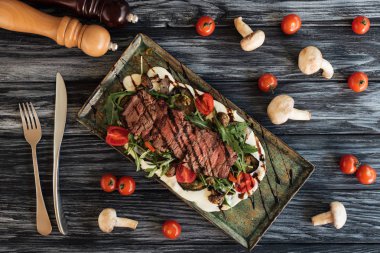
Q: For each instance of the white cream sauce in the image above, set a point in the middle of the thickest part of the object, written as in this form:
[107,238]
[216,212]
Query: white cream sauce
[200,198]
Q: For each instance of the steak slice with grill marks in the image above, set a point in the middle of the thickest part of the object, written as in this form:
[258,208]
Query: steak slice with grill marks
[202,150]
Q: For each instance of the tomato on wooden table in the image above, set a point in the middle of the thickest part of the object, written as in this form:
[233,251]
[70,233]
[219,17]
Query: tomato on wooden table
[245,183]
[361,25]
[117,136]
[126,185]
[171,229]
[184,174]
[205,103]
[349,164]
[108,182]
[267,82]
[358,81]
[205,26]
[366,174]
[291,24]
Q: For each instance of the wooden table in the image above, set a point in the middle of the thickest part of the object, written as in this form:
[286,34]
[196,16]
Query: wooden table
[343,122]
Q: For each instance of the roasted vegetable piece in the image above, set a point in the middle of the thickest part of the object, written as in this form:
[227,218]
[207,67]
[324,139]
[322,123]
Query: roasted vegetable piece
[117,136]
[216,198]
[205,104]
[252,163]
[194,186]
[183,103]
[223,118]
[184,174]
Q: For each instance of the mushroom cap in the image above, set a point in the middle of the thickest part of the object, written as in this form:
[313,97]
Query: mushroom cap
[339,214]
[280,108]
[107,220]
[253,41]
[310,60]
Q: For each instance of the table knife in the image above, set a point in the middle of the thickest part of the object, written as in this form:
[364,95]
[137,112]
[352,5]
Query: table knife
[59,129]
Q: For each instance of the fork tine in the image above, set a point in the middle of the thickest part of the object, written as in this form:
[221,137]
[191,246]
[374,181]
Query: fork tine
[38,124]
[32,123]
[24,126]
[26,116]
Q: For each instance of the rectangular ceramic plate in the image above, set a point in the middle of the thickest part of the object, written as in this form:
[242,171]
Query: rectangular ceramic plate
[287,171]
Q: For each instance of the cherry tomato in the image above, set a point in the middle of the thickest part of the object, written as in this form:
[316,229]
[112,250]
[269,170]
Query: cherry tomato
[171,229]
[205,103]
[245,183]
[149,146]
[366,174]
[291,24]
[361,25]
[117,136]
[126,185]
[205,26]
[358,81]
[108,182]
[267,82]
[184,174]
[349,164]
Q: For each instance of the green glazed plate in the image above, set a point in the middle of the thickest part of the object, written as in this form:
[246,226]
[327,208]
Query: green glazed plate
[286,172]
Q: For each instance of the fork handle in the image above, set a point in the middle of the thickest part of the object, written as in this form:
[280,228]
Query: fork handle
[42,217]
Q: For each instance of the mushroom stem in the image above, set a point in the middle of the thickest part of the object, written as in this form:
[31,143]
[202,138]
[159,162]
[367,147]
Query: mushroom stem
[322,219]
[328,70]
[242,27]
[126,223]
[299,115]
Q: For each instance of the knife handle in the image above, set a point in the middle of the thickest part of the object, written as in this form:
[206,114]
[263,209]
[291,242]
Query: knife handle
[17,16]
[113,13]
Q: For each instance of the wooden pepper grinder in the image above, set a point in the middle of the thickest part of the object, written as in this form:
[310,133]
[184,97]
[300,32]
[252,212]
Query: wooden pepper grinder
[113,13]
[94,40]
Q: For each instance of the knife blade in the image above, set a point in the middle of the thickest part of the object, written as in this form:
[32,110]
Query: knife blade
[59,129]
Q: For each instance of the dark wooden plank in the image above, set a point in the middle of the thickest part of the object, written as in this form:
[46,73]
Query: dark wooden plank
[218,57]
[335,108]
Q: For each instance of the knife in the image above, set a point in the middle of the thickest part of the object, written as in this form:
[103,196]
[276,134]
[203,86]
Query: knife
[59,129]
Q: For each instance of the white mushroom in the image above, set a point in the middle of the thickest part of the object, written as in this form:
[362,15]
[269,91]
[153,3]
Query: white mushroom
[157,73]
[108,220]
[337,215]
[310,61]
[251,40]
[131,82]
[281,108]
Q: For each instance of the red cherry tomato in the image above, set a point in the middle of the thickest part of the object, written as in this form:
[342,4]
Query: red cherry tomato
[117,136]
[291,24]
[349,164]
[366,174]
[358,82]
[205,26]
[108,182]
[205,103]
[361,25]
[126,186]
[245,183]
[267,82]
[171,229]
[184,174]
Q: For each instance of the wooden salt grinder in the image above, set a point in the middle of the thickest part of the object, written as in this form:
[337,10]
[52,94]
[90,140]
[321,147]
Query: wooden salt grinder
[93,40]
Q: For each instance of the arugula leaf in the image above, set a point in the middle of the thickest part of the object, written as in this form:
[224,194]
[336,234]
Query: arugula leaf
[248,149]
[113,108]
[197,120]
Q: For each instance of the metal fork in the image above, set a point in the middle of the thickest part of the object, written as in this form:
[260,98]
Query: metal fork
[32,132]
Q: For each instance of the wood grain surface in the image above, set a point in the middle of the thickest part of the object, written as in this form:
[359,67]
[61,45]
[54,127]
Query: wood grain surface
[342,122]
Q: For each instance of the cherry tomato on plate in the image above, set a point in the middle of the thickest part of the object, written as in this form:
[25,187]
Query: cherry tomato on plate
[126,185]
[366,174]
[108,182]
[117,136]
[184,174]
[205,103]
[349,164]
[361,25]
[358,81]
[291,24]
[267,82]
[245,183]
[171,229]
[205,26]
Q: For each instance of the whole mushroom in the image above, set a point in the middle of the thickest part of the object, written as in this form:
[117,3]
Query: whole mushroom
[281,108]
[310,61]
[337,215]
[108,220]
[251,40]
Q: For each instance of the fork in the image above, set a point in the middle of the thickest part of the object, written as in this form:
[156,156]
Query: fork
[32,132]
